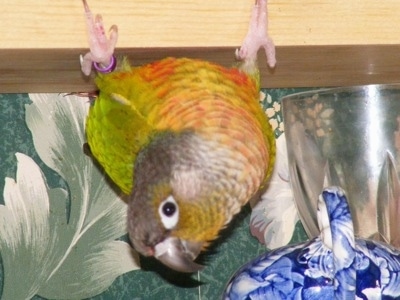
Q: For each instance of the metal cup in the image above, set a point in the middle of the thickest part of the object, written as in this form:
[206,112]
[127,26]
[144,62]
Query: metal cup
[348,137]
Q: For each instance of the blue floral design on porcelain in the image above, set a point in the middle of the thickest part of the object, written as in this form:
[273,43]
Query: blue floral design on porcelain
[334,265]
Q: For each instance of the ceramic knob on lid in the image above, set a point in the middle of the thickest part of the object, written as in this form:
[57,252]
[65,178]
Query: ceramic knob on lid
[334,265]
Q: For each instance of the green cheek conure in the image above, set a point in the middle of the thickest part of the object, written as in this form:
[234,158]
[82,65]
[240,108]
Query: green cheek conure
[186,139]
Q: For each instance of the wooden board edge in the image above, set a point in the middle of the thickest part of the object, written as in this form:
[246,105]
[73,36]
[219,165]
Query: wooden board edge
[58,70]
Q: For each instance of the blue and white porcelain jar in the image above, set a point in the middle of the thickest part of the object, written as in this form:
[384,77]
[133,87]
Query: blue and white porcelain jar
[334,265]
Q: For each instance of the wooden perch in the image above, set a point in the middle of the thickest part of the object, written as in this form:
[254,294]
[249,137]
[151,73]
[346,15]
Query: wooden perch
[319,43]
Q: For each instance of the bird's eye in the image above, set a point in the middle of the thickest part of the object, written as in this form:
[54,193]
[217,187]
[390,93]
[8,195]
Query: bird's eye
[169,209]
[169,212]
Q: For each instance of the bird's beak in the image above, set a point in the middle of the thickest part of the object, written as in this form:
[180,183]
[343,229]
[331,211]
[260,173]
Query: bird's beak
[178,254]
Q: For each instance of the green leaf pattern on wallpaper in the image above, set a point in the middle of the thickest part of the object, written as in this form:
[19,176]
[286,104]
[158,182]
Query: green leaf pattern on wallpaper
[274,217]
[60,243]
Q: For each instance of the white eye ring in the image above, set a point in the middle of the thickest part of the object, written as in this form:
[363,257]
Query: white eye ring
[169,212]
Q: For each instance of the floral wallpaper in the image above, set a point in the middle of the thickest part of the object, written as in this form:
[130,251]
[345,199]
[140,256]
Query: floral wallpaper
[63,226]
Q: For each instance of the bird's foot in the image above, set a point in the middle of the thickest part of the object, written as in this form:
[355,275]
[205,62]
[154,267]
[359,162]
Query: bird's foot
[101,54]
[257,37]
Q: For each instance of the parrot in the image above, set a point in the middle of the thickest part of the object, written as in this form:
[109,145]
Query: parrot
[185,140]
